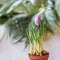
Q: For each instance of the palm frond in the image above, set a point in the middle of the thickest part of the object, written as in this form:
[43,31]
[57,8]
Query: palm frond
[18,25]
[5,7]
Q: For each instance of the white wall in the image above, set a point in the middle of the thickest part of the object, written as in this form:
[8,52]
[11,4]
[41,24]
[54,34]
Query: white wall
[10,51]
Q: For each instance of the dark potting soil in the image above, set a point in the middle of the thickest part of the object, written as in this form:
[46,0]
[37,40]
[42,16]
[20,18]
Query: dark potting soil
[42,53]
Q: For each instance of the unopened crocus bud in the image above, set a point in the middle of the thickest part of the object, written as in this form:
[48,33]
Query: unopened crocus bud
[37,21]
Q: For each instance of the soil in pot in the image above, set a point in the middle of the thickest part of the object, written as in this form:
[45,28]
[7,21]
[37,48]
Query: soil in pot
[44,56]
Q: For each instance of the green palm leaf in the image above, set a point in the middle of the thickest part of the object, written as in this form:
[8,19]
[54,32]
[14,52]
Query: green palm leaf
[18,25]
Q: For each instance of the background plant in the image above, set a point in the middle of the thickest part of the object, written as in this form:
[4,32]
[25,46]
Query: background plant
[17,15]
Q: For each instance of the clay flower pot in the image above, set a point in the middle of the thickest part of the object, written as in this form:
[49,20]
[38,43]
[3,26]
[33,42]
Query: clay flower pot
[43,57]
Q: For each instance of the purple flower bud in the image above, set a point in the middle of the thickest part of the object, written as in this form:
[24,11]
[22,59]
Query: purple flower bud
[37,20]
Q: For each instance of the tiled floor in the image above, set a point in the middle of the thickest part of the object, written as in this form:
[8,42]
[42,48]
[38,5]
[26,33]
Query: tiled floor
[9,51]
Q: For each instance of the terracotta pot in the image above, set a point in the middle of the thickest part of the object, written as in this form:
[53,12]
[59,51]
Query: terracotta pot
[43,57]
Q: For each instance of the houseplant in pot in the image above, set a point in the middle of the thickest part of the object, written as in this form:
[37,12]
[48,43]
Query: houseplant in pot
[36,36]
[41,25]
[43,21]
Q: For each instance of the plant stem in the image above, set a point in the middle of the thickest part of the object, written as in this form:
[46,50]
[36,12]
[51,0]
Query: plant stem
[31,48]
